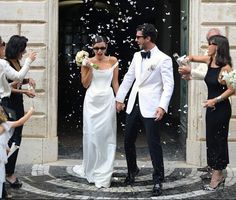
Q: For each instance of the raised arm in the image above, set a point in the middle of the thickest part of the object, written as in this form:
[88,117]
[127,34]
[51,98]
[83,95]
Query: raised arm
[86,75]
[23,119]
[201,59]
[12,74]
[197,73]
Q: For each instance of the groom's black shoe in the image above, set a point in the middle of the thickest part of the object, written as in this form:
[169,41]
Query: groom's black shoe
[157,189]
[130,178]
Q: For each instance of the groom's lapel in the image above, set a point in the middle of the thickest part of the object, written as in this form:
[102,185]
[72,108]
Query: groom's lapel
[152,64]
[146,72]
[138,68]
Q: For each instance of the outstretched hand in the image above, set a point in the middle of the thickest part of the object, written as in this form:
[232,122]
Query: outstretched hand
[184,69]
[30,93]
[32,82]
[32,55]
[31,110]
[185,72]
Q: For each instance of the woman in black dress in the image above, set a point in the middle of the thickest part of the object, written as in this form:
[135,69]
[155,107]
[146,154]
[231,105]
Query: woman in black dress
[15,49]
[218,108]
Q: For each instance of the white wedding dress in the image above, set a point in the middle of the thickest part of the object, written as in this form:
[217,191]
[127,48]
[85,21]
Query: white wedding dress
[99,130]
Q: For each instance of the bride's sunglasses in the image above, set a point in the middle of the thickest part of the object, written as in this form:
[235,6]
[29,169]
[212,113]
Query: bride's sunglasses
[97,48]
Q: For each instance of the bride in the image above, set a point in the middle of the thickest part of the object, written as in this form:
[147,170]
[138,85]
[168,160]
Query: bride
[99,115]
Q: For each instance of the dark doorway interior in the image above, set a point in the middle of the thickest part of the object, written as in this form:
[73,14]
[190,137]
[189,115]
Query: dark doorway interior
[117,20]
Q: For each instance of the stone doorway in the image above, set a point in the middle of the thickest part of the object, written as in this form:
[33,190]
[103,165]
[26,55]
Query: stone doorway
[117,20]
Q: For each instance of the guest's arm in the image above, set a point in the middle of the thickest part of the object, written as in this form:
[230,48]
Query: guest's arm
[227,93]
[12,74]
[23,119]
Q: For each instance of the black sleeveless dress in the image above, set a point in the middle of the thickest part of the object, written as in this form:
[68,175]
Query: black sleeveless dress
[217,122]
[16,103]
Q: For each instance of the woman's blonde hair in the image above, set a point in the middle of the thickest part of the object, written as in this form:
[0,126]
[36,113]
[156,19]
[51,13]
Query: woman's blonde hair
[3,117]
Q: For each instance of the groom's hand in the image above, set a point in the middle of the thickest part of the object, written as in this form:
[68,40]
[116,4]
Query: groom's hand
[119,106]
[159,114]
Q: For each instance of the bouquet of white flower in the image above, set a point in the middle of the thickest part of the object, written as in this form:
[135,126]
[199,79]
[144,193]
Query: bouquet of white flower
[81,58]
[230,78]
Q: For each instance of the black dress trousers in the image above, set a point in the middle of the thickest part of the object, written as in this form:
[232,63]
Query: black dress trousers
[153,139]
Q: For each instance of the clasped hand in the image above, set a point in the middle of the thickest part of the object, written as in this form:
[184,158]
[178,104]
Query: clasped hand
[119,106]
[30,93]
[159,114]
[209,103]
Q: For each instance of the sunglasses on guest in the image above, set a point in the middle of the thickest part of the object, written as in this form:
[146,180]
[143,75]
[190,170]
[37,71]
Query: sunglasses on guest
[212,43]
[101,48]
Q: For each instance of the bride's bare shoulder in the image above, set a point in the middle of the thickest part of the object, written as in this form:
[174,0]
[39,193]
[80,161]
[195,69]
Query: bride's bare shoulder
[112,59]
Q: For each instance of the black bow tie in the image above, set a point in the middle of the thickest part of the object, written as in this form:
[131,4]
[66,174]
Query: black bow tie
[145,54]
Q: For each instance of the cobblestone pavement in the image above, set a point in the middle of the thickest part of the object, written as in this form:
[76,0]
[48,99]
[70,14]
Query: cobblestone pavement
[58,181]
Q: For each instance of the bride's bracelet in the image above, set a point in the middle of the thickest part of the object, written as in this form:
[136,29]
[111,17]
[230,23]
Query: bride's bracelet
[219,99]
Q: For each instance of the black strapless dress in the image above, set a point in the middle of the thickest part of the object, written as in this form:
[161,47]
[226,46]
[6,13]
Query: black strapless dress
[217,123]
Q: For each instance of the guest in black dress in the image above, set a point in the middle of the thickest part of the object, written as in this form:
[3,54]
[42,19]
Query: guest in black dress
[218,108]
[15,49]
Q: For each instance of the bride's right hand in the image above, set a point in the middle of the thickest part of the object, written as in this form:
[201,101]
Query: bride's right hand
[86,63]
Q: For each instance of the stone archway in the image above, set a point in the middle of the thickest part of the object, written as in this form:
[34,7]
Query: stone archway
[117,20]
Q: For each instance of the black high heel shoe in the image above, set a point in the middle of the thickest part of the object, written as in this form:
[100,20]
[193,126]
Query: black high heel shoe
[220,185]
[16,184]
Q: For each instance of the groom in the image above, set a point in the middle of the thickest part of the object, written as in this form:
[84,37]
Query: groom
[152,73]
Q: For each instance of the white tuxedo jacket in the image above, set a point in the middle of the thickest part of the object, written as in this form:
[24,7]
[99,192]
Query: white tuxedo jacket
[154,84]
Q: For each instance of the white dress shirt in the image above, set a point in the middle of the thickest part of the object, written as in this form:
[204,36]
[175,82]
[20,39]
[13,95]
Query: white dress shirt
[7,72]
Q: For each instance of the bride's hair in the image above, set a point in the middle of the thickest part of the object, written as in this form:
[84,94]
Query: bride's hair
[98,39]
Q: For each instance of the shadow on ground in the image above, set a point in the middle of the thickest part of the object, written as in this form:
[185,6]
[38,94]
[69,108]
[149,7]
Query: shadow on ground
[70,145]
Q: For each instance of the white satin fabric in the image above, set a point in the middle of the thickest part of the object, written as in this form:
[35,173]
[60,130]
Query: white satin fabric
[99,130]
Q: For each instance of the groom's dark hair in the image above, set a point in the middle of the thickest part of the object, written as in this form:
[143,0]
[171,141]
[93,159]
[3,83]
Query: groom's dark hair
[148,30]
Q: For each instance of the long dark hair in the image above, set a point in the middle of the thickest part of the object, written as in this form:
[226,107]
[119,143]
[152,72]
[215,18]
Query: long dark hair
[15,46]
[222,55]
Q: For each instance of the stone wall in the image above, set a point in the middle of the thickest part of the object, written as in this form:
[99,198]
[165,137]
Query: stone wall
[206,14]
[38,21]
